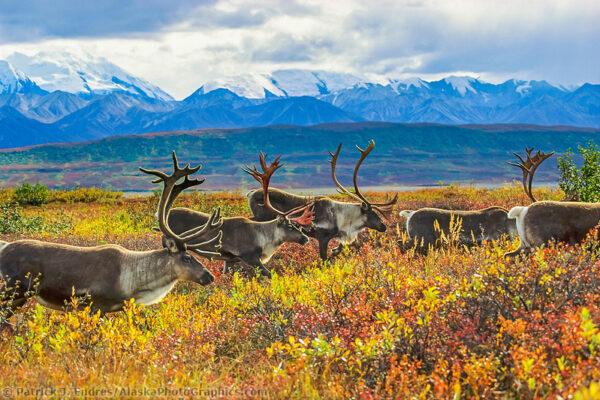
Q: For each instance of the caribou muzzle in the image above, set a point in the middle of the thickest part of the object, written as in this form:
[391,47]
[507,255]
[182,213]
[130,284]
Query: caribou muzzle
[206,278]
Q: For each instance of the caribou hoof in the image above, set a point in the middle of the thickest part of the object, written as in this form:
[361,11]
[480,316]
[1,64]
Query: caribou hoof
[6,327]
[266,274]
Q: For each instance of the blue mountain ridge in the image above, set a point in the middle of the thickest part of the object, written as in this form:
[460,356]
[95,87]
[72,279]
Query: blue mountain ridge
[40,117]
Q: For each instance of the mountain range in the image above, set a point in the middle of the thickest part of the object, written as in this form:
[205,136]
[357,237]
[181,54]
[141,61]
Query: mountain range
[65,98]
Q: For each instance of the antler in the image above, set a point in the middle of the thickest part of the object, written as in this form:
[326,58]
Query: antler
[333,163]
[180,187]
[381,207]
[307,216]
[363,155]
[264,179]
[528,167]
[385,208]
[166,200]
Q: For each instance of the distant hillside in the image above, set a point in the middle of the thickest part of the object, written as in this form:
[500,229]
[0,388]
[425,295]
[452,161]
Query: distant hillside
[405,154]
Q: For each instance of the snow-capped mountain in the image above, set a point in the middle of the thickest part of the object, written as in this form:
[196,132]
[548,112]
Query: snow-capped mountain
[87,75]
[466,100]
[283,83]
[61,97]
[47,107]
[462,84]
[14,81]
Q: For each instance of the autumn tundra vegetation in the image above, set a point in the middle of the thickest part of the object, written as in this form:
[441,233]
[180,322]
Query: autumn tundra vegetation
[377,320]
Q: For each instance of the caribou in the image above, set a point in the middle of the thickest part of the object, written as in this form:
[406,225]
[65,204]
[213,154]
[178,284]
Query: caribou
[473,226]
[548,221]
[107,276]
[252,242]
[332,219]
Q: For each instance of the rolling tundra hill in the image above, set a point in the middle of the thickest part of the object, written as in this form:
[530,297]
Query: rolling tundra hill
[405,154]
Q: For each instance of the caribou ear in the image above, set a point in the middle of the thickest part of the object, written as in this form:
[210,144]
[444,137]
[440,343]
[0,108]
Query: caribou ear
[171,245]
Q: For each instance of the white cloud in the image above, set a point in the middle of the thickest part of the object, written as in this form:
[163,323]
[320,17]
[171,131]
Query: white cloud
[553,40]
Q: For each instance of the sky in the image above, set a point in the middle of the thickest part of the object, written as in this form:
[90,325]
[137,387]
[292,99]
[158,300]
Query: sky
[179,44]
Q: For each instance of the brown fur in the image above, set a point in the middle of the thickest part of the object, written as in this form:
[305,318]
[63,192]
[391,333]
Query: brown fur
[108,275]
[244,240]
[546,221]
[478,225]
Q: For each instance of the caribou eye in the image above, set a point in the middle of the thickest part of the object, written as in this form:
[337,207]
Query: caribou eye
[187,258]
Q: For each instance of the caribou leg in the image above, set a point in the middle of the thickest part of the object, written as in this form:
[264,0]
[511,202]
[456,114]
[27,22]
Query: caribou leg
[323,246]
[256,262]
[263,270]
[94,309]
[522,250]
[335,252]
[227,266]
[10,303]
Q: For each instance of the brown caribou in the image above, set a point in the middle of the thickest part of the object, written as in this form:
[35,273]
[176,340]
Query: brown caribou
[252,242]
[549,221]
[332,219]
[107,276]
[475,226]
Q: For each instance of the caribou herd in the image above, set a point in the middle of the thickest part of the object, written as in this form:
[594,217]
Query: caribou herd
[107,276]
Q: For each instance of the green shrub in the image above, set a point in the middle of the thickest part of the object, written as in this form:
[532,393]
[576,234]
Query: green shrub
[13,221]
[35,195]
[584,182]
[83,195]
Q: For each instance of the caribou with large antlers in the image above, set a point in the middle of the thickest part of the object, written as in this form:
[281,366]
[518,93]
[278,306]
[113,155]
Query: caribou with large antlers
[250,241]
[332,219]
[109,275]
[548,221]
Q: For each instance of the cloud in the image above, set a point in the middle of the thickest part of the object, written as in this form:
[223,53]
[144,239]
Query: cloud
[22,21]
[39,19]
[200,41]
[556,41]
[284,48]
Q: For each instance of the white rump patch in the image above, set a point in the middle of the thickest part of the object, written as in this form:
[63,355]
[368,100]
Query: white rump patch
[519,214]
[407,214]
[516,211]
